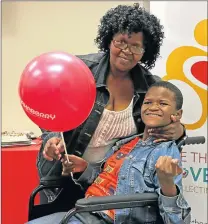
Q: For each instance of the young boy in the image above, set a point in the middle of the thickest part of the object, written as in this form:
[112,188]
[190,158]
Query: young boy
[138,165]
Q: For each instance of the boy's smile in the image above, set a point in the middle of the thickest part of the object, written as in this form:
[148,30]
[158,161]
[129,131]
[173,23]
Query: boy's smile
[158,106]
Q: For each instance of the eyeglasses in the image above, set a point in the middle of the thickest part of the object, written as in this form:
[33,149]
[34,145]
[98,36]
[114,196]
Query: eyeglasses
[134,49]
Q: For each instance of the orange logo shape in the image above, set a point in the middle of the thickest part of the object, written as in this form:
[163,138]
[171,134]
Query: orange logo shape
[175,71]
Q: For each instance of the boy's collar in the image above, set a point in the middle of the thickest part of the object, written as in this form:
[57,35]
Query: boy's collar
[148,141]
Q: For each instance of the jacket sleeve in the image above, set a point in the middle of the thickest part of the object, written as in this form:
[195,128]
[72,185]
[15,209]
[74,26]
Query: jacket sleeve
[156,78]
[174,210]
[43,165]
[44,133]
[89,175]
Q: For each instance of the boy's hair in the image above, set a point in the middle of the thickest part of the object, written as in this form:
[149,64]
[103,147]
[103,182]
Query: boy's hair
[173,89]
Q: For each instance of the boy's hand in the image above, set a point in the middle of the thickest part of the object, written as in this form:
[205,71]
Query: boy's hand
[173,131]
[75,165]
[167,168]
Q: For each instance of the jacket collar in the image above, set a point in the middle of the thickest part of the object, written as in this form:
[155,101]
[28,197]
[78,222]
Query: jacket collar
[138,74]
[102,71]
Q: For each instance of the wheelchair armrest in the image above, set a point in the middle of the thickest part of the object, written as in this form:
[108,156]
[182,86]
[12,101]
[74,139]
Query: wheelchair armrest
[191,141]
[93,204]
[54,181]
[116,202]
[194,140]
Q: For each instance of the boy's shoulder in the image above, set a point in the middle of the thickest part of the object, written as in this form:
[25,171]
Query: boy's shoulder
[168,144]
[167,148]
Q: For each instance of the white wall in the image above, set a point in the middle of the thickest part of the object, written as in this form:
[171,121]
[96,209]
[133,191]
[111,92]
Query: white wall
[32,28]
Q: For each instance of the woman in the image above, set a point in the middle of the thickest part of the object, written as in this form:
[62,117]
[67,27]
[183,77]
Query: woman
[129,38]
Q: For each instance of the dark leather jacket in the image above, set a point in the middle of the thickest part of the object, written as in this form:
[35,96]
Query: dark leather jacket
[77,140]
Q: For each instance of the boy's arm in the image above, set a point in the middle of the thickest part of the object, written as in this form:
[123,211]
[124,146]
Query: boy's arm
[173,207]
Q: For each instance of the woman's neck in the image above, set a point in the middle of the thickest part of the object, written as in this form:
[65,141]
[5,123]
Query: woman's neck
[119,74]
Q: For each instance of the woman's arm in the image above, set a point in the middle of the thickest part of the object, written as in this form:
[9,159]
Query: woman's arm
[173,131]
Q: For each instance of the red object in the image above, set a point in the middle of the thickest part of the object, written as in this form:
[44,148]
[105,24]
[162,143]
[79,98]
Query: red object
[57,91]
[106,182]
[19,179]
[199,71]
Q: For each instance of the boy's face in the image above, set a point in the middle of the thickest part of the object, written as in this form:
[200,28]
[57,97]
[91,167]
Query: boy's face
[158,106]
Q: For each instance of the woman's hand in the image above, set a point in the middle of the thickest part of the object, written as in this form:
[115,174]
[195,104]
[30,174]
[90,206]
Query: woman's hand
[75,165]
[173,131]
[53,149]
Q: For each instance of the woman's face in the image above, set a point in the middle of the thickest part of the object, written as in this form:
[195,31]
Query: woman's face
[124,60]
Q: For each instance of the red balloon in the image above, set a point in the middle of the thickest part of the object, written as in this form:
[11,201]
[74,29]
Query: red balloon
[57,91]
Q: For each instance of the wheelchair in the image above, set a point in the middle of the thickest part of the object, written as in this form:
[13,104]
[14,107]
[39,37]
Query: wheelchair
[72,204]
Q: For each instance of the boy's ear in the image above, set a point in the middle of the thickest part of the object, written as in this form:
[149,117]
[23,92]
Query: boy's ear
[178,115]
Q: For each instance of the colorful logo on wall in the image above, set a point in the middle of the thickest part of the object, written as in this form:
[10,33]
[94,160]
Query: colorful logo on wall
[199,70]
[197,174]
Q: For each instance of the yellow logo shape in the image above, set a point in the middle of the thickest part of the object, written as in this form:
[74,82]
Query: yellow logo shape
[174,68]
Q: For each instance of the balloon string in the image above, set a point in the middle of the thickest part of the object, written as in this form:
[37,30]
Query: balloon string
[64,144]
[57,161]
[62,136]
